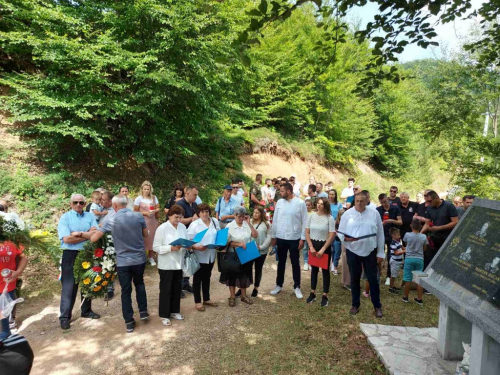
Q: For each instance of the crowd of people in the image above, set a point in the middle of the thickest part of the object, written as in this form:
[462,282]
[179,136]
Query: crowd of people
[349,233]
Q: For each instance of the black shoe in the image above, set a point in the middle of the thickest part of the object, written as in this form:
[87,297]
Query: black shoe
[427,292]
[238,293]
[311,298]
[405,299]
[65,324]
[354,310]
[130,326]
[188,288]
[91,315]
[255,292]
[395,290]
[144,315]
[418,301]
[183,295]
[109,296]
[324,301]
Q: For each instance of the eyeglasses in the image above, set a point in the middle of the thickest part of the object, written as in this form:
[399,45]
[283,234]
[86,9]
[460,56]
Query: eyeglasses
[81,203]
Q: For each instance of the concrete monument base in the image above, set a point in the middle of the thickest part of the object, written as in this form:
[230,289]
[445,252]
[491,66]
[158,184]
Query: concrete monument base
[408,350]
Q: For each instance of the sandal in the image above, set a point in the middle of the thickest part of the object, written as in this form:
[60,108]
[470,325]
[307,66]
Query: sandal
[200,308]
[232,302]
[247,300]
[210,303]
[177,316]
[166,322]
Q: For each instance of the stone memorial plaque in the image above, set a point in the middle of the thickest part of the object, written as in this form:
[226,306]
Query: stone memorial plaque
[471,257]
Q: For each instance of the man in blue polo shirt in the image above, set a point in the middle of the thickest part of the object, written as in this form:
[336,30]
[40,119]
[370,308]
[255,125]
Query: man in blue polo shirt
[74,229]
[224,210]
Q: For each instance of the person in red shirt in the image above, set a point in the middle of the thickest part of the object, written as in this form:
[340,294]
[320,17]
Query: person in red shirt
[13,259]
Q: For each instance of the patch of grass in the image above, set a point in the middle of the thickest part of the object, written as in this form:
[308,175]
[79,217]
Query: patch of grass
[291,336]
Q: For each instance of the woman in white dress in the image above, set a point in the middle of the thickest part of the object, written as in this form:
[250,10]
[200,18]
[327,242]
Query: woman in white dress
[170,262]
[241,232]
[206,257]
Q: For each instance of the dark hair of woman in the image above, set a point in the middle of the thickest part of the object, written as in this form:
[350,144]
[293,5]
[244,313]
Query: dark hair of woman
[175,210]
[326,205]
[204,207]
[336,197]
[263,216]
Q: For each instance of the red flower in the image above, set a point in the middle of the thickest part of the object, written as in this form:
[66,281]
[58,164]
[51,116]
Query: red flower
[271,208]
[97,269]
[98,253]
[262,203]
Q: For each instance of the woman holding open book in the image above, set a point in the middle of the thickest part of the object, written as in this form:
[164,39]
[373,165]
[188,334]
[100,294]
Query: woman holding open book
[206,256]
[170,262]
[241,232]
[320,232]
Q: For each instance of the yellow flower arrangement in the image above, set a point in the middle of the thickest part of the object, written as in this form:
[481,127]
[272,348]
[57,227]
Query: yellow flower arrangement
[104,283]
[86,265]
[86,281]
[97,279]
[97,288]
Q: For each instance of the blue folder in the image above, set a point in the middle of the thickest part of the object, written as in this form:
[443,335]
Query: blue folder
[249,254]
[220,240]
[188,243]
[182,242]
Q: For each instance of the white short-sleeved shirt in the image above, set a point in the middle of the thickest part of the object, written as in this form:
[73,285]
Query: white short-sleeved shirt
[238,198]
[239,234]
[207,256]
[320,226]
[140,199]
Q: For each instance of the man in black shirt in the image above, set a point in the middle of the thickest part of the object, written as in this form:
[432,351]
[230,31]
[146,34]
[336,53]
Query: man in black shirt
[408,210]
[393,196]
[190,207]
[391,216]
[440,219]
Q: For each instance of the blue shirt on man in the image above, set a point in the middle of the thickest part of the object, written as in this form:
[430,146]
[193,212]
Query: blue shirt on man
[224,208]
[126,227]
[72,221]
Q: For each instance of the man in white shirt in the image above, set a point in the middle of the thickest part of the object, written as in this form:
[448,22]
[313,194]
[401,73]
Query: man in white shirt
[295,184]
[348,191]
[289,233]
[305,190]
[363,253]
[266,191]
[235,195]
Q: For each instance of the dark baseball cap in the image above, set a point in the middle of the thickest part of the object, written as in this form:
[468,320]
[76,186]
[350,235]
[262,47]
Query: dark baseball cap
[228,187]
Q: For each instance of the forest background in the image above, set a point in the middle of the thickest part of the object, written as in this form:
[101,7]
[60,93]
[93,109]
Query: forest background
[104,93]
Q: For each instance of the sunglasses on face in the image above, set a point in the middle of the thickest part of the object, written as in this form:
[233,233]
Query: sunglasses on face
[394,191]
[355,189]
[82,203]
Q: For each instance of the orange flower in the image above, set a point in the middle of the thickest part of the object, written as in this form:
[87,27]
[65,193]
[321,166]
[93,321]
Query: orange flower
[104,283]
[97,288]
[107,275]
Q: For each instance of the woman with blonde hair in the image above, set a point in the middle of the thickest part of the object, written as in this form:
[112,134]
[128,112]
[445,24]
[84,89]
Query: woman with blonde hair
[263,228]
[147,204]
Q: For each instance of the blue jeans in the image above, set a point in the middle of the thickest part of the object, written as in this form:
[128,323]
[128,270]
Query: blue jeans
[337,252]
[305,252]
[4,323]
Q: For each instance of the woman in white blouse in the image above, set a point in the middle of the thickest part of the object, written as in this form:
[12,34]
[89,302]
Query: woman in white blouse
[241,232]
[206,257]
[320,232]
[263,228]
[147,204]
[170,262]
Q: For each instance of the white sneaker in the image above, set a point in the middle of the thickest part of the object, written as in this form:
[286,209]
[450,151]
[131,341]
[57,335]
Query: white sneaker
[298,293]
[276,290]
[152,262]
[177,316]
[387,281]
[332,268]
[306,267]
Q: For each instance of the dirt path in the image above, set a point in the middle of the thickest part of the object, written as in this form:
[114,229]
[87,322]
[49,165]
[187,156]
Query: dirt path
[103,347]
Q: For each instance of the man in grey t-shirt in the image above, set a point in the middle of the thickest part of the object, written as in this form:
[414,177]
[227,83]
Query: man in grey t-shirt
[128,229]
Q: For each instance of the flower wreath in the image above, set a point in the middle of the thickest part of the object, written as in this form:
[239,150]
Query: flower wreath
[95,267]
[269,210]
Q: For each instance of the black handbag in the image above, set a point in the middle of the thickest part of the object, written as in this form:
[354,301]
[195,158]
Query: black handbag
[228,262]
